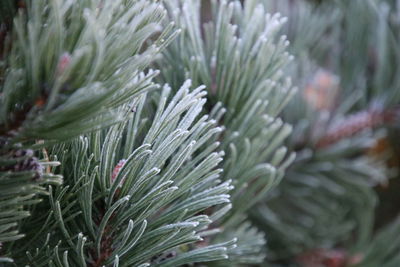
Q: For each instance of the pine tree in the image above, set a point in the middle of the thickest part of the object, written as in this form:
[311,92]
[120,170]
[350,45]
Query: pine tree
[158,133]
[102,164]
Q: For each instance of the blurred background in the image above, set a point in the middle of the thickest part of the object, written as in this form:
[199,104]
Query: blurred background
[338,203]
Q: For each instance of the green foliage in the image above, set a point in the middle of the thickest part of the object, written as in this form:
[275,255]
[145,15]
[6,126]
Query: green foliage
[67,71]
[239,57]
[380,252]
[154,205]
[66,74]
[327,198]
[143,182]
[107,162]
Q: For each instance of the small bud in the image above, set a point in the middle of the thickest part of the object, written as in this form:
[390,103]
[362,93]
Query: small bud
[117,169]
[63,63]
[321,93]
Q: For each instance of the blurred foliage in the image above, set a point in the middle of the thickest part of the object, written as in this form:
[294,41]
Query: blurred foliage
[347,64]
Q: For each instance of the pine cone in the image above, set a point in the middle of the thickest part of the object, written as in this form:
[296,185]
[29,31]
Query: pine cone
[356,123]
[24,161]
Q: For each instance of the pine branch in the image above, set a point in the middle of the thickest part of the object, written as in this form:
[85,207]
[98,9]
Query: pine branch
[151,205]
[239,57]
[323,211]
[48,102]
[58,83]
